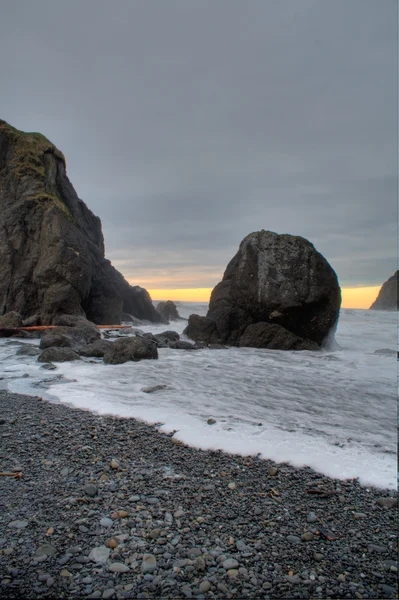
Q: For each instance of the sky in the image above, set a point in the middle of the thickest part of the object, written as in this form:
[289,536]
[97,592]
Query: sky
[187,125]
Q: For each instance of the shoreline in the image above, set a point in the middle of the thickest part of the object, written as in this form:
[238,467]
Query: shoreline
[213,524]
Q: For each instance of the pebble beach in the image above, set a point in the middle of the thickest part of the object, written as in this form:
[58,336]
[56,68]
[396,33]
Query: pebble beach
[105,507]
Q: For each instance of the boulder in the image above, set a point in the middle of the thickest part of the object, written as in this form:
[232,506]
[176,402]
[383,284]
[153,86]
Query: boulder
[96,349]
[164,339]
[276,280]
[168,310]
[130,348]
[57,355]
[28,350]
[274,337]
[51,245]
[182,345]
[70,337]
[11,320]
[388,297]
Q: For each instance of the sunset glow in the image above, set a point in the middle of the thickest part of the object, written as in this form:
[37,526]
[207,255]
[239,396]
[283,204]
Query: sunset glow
[358,297]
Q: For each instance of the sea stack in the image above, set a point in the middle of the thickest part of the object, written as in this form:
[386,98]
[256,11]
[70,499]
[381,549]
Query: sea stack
[277,292]
[388,298]
[51,245]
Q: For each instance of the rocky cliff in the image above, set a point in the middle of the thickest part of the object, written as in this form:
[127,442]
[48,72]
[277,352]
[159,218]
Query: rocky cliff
[388,298]
[277,292]
[51,245]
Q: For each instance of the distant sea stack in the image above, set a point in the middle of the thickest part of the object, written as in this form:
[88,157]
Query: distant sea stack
[277,292]
[388,298]
[51,245]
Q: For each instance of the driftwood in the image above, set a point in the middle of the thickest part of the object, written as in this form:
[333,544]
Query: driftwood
[17,475]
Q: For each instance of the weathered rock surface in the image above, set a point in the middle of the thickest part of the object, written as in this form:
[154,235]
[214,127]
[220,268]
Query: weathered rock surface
[388,298]
[51,245]
[96,350]
[130,348]
[10,320]
[273,280]
[57,354]
[70,337]
[168,310]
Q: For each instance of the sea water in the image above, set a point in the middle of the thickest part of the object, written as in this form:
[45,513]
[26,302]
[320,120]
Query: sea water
[335,411]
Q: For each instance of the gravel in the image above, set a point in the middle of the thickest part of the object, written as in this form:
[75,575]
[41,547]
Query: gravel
[112,508]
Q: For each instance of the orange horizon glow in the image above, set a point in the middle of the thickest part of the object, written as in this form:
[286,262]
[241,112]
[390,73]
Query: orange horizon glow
[356,297]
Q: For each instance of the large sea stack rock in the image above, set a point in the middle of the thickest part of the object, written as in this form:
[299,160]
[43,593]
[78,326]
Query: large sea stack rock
[388,298]
[51,245]
[281,284]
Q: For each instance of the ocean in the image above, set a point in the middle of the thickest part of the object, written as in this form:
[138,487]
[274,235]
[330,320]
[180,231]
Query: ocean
[335,411]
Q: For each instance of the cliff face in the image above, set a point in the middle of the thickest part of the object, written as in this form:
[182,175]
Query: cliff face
[388,298]
[51,245]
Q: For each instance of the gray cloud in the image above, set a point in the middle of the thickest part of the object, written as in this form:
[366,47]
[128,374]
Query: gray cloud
[186,125]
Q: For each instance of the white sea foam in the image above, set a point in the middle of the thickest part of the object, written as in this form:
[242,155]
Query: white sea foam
[334,411]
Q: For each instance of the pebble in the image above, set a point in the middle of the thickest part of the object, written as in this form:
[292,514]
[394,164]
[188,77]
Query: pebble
[311,518]
[149,563]
[293,539]
[106,522]
[119,568]
[19,524]
[90,490]
[205,586]
[230,563]
[108,593]
[100,554]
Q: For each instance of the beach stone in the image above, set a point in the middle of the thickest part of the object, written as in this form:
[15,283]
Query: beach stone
[293,539]
[311,518]
[154,388]
[205,586]
[149,563]
[106,522]
[307,536]
[388,502]
[112,543]
[19,524]
[114,464]
[211,421]
[100,554]
[28,350]
[90,490]
[119,568]
[109,593]
[232,485]
[272,471]
[45,550]
[230,563]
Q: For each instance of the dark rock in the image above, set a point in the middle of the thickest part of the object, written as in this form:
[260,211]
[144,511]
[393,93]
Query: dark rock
[97,349]
[164,339]
[276,280]
[130,348]
[181,345]
[154,388]
[272,336]
[57,355]
[32,321]
[51,245]
[388,298]
[168,310]
[28,350]
[70,337]
[10,320]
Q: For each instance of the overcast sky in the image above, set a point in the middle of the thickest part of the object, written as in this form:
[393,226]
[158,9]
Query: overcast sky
[187,124]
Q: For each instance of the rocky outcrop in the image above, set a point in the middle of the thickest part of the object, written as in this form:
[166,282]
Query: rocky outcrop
[277,292]
[51,245]
[388,298]
[168,310]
